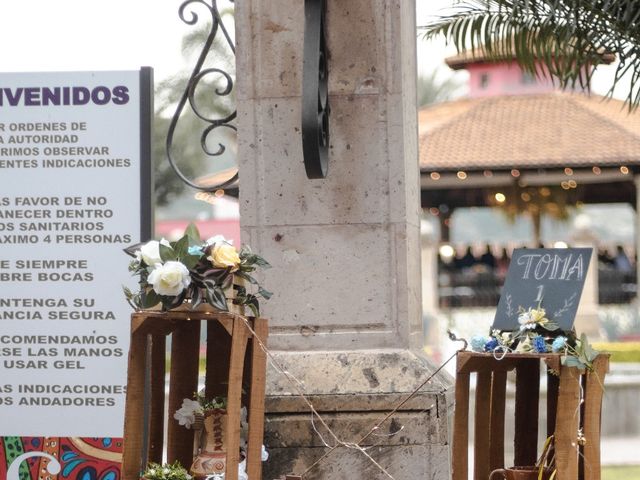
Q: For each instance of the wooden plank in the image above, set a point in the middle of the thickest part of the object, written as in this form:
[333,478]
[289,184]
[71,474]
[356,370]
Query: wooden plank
[594,389]
[158,365]
[567,423]
[134,408]
[553,383]
[460,454]
[218,358]
[470,362]
[526,415]
[185,345]
[256,399]
[496,428]
[482,422]
[234,400]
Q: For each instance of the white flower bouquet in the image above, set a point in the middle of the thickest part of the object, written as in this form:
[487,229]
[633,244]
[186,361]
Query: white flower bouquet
[201,272]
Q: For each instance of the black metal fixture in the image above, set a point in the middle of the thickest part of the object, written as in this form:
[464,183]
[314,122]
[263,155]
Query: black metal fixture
[217,25]
[315,91]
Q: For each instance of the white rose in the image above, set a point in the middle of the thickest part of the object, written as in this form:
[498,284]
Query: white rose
[186,415]
[150,252]
[169,279]
[218,239]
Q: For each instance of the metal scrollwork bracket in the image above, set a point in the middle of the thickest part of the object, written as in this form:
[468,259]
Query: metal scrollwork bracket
[189,95]
[315,91]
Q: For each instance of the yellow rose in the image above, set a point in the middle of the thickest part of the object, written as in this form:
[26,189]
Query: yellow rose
[224,255]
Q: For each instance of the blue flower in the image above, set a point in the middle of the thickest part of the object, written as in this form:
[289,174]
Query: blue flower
[491,345]
[478,342]
[538,344]
[559,344]
[195,250]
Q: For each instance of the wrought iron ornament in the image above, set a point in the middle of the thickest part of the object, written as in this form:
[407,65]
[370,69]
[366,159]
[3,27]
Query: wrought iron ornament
[197,75]
[315,91]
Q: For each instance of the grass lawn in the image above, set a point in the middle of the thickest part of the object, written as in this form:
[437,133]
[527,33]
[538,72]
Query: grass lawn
[621,473]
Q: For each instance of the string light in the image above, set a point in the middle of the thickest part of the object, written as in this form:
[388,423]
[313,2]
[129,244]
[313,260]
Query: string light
[488,173]
[515,173]
[462,175]
[596,170]
[435,176]
[568,171]
[500,197]
[525,196]
[624,170]
[434,211]
[545,192]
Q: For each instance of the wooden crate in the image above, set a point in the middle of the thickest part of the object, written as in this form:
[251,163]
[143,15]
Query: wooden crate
[233,360]
[565,414]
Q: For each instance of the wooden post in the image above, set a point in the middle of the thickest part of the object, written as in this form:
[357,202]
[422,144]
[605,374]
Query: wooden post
[133,432]
[567,423]
[256,400]
[185,345]
[482,426]
[496,429]
[526,421]
[158,369]
[594,389]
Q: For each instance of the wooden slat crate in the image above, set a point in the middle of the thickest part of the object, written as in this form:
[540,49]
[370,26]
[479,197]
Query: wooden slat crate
[233,360]
[565,414]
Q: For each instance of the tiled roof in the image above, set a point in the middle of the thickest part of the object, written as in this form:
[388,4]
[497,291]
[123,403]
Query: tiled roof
[528,131]
[479,55]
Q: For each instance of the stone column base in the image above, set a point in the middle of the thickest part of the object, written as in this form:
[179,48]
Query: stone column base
[352,391]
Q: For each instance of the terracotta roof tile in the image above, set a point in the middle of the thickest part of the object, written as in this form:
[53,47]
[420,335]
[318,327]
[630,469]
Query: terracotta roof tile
[528,131]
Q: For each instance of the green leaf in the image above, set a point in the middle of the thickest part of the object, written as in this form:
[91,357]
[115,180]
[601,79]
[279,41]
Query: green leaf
[149,299]
[190,261]
[246,277]
[215,296]
[181,247]
[131,250]
[266,294]
[193,234]
[167,254]
[196,298]
[570,361]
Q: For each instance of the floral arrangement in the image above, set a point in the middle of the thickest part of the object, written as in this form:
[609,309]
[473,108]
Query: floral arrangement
[538,334]
[173,471]
[191,409]
[195,270]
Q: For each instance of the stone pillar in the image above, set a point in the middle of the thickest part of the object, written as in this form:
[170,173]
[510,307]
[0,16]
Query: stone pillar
[345,318]
[430,299]
[587,320]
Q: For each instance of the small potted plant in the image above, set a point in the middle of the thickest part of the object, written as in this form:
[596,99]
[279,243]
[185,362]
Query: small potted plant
[168,471]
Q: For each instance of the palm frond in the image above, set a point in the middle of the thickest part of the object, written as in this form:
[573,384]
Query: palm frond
[562,39]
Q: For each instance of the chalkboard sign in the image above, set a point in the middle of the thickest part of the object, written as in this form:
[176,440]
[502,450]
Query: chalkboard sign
[552,278]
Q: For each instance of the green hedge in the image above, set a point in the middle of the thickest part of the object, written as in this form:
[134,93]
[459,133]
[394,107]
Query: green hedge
[620,351]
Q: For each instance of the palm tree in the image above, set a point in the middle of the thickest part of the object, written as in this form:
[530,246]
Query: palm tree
[560,38]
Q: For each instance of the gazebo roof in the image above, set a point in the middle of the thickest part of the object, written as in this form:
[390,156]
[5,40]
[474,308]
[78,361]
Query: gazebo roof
[553,130]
